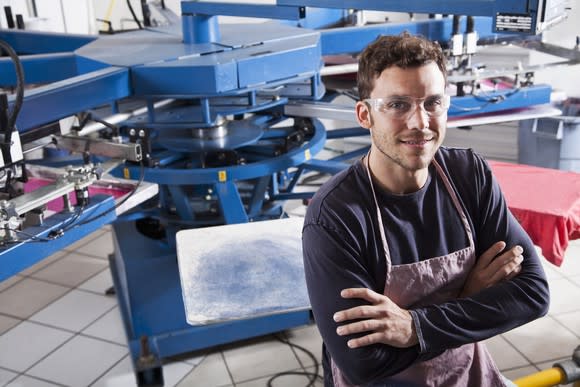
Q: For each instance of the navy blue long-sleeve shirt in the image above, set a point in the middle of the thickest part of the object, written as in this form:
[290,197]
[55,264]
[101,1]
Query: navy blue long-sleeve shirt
[342,249]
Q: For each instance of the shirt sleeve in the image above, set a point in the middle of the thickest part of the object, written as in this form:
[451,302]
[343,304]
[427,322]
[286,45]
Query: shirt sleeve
[332,262]
[498,308]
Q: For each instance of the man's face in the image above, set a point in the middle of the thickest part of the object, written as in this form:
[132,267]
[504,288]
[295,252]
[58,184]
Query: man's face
[404,125]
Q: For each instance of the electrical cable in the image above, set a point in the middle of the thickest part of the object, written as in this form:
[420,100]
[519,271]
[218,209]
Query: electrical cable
[19,90]
[312,376]
[52,235]
[134,15]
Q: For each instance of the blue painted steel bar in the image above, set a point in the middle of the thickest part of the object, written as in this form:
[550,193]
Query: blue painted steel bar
[318,18]
[347,132]
[258,195]
[458,7]
[499,101]
[30,42]
[352,154]
[327,166]
[16,257]
[43,68]
[61,99]
[294,195]
[230,203]
[181,202]
[354,39]
[198,29]
[243,10]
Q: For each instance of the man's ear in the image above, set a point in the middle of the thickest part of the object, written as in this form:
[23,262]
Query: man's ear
[363,114]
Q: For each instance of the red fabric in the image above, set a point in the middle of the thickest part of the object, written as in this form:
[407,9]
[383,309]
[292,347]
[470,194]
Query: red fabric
[545,201]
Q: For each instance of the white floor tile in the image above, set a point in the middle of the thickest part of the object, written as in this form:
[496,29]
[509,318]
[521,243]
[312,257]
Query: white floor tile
[6,376]
[71,270]
[28,296]
[196,360]
[7,323]
[570,321]
[211,372]
[27,343]
[537,345]
[10,281]
[27,381]
[552,271]
[175,372]
[519,372]
[84,241]
[123,375]
[564,296]
[109,327]
[504,354]
[309,338]
[259,358]
[79,362]
[571,264]
[75,311]
[99,247]
[45,262]
[99,283]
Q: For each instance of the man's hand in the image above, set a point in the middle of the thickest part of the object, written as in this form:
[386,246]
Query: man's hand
[384,321]
[492,268]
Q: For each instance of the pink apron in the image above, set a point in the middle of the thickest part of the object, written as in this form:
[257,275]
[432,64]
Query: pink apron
[435,281]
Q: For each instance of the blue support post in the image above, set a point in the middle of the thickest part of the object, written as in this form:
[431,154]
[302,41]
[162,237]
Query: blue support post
[200,29]
[230,203]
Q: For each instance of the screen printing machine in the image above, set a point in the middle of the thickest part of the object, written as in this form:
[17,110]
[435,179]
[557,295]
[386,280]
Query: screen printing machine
[190,123]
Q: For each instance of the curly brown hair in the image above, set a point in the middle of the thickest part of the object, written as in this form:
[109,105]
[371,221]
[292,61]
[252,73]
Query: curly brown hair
[404,50]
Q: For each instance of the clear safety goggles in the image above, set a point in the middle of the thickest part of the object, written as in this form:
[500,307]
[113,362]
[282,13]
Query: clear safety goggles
[400,107]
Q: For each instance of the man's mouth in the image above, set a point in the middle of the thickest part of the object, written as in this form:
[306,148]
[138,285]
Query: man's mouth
[417,142]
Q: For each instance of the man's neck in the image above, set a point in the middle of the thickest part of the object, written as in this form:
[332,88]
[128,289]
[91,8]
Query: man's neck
[392,177]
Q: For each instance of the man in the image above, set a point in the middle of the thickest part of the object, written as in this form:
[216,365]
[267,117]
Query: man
[411,255]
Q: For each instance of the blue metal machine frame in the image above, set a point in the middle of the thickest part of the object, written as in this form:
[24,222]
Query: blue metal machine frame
[218,71]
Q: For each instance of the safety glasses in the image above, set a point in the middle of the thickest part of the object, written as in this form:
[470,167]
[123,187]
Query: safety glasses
[402,107]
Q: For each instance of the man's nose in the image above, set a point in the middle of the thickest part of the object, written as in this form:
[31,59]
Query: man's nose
[418,118]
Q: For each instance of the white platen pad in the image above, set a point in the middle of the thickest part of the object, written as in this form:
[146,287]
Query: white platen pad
[242,271]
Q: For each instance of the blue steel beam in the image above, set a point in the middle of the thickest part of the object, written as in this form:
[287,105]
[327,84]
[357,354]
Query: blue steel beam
[457,7]
[42,68]
[499,101]
[244,10]
[61,99]
[354,39]
[29,42]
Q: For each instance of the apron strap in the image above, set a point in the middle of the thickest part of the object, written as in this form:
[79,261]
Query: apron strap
[451,192]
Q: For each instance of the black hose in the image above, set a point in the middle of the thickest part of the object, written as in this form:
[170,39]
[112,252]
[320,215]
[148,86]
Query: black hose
[19,90]
[134,15]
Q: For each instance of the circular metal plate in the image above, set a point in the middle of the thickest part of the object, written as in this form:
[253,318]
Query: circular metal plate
[239,133]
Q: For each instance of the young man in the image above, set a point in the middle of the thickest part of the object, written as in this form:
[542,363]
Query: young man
[411,255]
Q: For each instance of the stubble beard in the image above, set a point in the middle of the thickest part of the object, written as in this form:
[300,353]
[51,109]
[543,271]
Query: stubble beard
[399,159]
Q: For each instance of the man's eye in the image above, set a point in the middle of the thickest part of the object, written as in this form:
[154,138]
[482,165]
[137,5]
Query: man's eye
[434,102]
[398,105]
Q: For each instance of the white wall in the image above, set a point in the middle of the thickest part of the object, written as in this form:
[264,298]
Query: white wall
[71,16]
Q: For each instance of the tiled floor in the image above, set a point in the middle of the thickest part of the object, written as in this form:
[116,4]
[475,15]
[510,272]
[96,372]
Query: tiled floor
[58,328]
